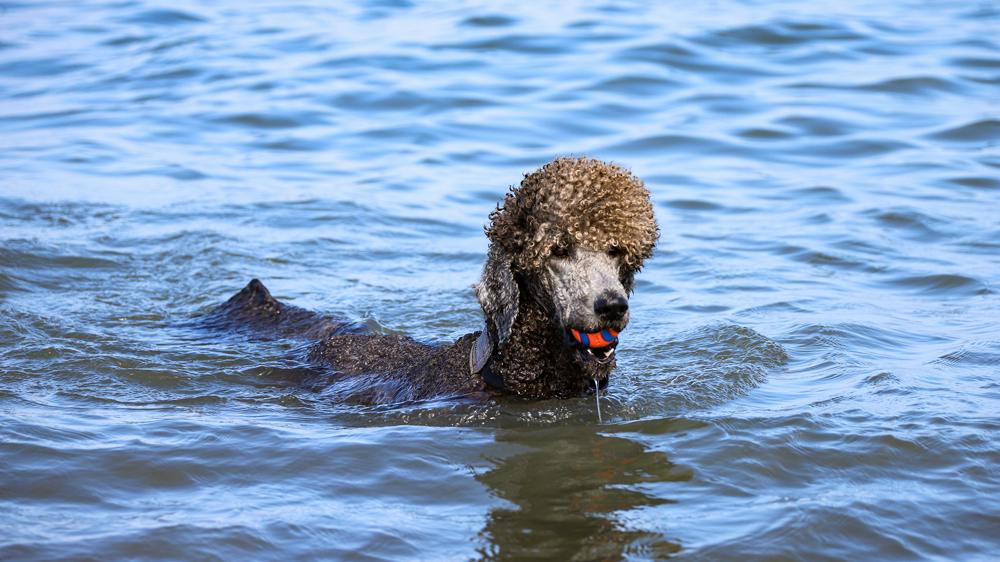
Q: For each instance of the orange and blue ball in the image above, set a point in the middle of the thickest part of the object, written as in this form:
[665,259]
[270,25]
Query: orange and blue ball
[595,340]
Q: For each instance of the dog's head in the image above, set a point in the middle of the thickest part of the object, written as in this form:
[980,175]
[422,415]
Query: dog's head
[572,236]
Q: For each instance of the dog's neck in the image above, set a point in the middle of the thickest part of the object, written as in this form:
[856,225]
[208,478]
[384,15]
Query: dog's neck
[535,363]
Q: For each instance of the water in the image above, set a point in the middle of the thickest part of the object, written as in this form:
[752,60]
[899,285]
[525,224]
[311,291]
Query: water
[812,367]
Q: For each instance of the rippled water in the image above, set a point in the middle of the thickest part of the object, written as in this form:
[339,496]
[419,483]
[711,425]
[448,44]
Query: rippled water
[813,366]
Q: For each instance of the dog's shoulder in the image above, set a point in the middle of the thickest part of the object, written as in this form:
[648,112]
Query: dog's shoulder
[425,371]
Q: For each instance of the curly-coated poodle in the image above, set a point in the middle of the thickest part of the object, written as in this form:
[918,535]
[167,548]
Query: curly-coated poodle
[564,249]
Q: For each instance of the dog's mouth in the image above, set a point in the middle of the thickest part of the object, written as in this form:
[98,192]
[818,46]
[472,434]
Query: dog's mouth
[594,346]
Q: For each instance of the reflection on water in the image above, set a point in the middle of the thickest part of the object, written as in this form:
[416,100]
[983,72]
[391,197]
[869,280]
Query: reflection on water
[571,491]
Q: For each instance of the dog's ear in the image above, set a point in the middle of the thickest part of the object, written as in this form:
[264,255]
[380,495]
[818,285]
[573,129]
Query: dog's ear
[498,294]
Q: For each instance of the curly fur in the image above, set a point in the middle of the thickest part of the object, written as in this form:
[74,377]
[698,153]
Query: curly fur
[554,233]
[575,201]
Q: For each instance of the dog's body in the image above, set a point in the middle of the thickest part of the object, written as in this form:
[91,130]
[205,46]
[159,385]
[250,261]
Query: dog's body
[564,249]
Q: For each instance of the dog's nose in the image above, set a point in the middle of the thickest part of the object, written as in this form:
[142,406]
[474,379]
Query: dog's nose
[611,307]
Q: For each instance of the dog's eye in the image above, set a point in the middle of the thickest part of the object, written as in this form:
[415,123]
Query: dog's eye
[560,251]
[616,251]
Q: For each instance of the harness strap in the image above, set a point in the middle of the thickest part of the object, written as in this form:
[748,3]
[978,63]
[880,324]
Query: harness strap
[492,378]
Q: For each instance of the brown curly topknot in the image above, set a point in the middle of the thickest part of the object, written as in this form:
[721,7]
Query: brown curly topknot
[575,202]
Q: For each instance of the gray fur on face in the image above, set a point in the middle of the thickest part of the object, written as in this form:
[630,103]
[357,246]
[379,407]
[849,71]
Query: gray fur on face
[575,283]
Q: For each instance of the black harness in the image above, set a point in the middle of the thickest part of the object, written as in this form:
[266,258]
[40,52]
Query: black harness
[492,379]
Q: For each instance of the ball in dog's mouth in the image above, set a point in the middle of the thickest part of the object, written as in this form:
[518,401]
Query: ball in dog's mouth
[595,346]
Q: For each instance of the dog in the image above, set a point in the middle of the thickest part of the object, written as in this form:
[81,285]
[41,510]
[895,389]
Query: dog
[565,246]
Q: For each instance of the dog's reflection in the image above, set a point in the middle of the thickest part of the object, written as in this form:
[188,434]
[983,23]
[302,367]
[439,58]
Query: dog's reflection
[569,489]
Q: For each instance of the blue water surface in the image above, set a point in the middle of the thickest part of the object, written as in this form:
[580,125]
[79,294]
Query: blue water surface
[812,371]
